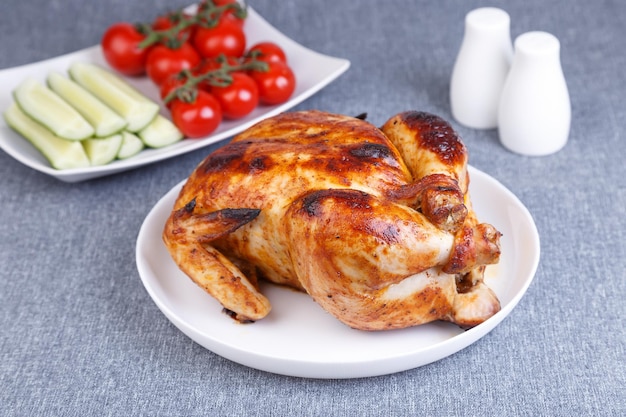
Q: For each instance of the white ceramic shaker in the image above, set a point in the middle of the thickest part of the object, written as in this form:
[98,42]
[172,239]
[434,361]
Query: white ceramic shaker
[535,112]
[481,68]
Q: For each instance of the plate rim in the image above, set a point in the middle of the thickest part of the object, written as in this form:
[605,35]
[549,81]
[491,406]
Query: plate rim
[358,368]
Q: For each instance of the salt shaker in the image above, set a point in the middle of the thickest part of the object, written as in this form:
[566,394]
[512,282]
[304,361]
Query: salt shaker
[535,113]
[481,67]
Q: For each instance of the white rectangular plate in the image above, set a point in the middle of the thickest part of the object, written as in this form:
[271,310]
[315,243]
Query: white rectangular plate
[313,72]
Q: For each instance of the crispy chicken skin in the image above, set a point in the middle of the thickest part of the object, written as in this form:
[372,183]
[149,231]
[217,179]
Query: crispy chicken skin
[375,224]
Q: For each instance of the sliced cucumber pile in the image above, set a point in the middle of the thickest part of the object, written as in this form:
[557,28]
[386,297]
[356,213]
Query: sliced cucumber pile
[46,107]
[160,132]
[129,103]
[131,145]
[104,120]
[101,151]
[90,118]
[61,153]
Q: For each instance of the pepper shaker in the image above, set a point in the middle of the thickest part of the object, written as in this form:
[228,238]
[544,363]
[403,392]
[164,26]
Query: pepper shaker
[535,113]
[481,67]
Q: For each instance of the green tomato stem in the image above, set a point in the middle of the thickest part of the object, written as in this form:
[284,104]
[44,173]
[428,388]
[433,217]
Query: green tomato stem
[220,77]
[208,15]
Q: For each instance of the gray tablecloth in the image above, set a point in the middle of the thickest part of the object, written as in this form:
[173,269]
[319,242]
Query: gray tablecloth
[79,334]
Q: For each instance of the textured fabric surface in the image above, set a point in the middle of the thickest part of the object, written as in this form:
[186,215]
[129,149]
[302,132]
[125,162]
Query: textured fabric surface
[79,334]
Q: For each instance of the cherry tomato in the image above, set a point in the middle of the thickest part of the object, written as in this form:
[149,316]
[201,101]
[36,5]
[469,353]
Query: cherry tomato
[120,46]
[199,118]
[215,63]
[165,22]
[223,2]
[239,98]
[275,85]
[226,38]
[212,65]
[268,52]
[162,23]
[170,84]
[228,14]
[163,61]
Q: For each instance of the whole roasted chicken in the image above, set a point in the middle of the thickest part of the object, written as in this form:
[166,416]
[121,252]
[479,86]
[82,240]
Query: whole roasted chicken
[375,224]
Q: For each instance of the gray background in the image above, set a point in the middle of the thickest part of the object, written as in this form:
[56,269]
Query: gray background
[80,335]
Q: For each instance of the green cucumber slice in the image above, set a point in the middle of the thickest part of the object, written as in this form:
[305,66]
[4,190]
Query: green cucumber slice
[131,145]
[101,151]
[134,107]
[61,153]
[104,120]
[160,132]
[46,107]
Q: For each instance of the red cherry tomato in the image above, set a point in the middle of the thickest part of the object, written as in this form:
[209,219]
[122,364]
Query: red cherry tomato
[162,23]
[212,65]
[199,118]
[120,46]
[229,14]
[163,61]
[239,98]
[165,22]
[170,84]
[223,2]
[226,38]
[215,63]
[268,52]
[275,85]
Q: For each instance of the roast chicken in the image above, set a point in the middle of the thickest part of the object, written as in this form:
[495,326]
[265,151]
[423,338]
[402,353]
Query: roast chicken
[375,224]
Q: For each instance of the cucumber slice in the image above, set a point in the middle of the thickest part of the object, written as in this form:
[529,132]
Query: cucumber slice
[46,107]
[134,107]
[104,120]
[101,151]
[160,132]
[61,153]
[131,145]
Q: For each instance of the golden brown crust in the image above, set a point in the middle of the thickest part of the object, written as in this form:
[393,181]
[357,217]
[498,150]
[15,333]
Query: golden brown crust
[365,220]
[348,267]
[437,160]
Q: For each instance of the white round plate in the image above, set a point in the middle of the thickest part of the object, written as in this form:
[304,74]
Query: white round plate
[299,338]
[313,72]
